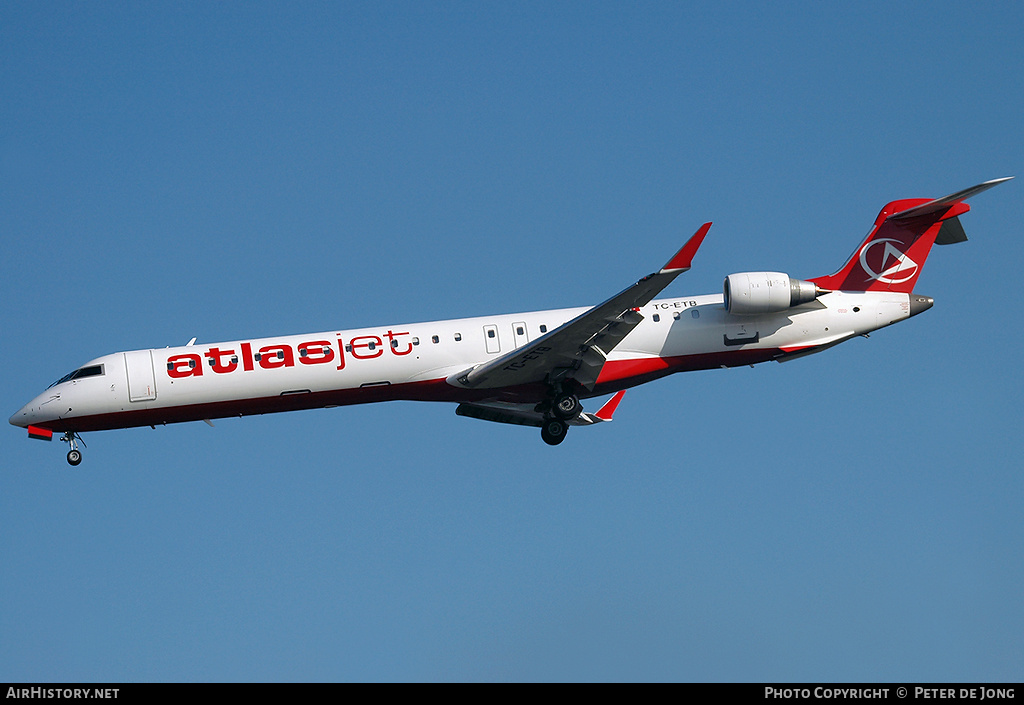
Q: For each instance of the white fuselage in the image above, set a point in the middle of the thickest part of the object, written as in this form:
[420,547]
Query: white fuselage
[418,361]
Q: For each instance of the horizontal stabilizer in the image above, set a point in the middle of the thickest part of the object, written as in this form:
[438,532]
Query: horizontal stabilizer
[942,203]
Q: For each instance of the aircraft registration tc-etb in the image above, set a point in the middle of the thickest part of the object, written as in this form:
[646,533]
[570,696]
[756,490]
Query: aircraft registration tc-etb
[528,369]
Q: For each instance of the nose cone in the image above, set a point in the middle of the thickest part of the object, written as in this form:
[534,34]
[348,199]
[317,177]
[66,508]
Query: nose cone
[920,304]
[21,418]
[31,414]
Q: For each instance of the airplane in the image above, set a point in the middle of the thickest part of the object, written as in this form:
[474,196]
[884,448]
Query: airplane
[529,369]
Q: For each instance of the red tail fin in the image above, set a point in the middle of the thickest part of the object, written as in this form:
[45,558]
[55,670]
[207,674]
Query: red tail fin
[892,256]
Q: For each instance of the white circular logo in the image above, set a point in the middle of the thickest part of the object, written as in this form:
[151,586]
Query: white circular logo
[902,265]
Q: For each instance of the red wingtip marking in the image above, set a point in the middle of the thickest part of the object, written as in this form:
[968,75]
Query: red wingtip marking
[43,434]
[606,411]
[684,257]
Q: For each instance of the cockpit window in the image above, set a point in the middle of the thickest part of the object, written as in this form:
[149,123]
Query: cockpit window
[91,371]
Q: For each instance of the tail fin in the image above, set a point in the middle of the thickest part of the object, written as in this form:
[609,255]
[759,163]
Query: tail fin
[892,256]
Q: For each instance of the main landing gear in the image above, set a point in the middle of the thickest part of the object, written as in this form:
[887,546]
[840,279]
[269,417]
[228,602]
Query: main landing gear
[72,439]
[553,431]
[565,406]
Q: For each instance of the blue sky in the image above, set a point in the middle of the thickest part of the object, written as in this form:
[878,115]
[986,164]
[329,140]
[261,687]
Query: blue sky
[230,171]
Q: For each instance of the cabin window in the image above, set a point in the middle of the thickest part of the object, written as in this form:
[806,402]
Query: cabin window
[543,328]
[675,315]
[302,352]
[280,354]
[694,313]
[415,341]
[348,347]
[371,345]
[259,357]
[394,343]
[657,317]
[234,359]
[458,337]
[191,364]
[435,339]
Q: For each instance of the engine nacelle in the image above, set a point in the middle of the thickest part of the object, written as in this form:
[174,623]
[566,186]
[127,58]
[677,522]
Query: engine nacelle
[749,293]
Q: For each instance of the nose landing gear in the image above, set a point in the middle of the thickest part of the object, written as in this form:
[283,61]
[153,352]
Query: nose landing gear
[72,439]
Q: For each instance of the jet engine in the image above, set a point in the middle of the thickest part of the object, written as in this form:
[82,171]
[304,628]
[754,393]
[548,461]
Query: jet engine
[749,293]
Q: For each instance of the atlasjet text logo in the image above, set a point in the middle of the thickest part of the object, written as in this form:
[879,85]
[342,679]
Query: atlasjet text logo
[886,272]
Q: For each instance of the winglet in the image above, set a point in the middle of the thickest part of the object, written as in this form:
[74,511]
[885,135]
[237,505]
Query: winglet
[682,259]
[606,411]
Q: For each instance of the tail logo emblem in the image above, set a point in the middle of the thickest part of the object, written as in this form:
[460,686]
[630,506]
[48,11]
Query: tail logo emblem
[901,269]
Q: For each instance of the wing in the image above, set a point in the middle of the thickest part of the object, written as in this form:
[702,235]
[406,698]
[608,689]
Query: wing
[579,348]
[527,415]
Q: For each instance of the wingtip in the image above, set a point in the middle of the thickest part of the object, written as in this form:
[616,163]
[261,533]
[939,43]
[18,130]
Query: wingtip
[684,258]
[606,411]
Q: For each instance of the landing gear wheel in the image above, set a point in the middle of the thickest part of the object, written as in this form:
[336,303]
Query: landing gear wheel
[72,439]
[553,431]
[566,407]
